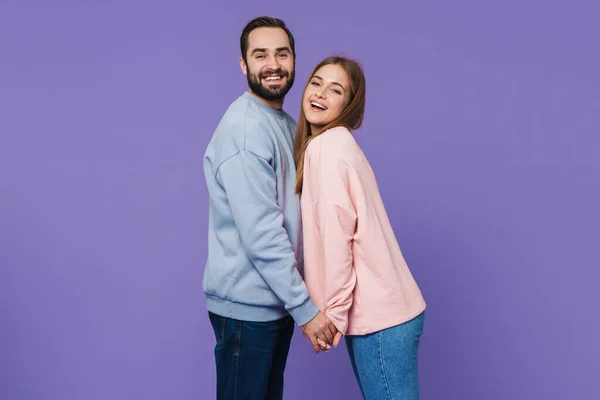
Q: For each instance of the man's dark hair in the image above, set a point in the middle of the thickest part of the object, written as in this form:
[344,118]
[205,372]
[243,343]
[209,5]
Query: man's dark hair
[264,22]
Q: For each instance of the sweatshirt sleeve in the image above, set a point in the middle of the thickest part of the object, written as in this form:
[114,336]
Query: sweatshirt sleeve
[336,219]
[250,184]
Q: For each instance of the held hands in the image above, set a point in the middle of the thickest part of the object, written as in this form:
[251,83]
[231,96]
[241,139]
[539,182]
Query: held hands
[336,341]
[322,333]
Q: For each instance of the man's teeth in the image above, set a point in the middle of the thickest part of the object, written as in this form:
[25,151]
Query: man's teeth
[314,103]
[273,78]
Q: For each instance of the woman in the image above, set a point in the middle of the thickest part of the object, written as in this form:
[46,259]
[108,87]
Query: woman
[353,266]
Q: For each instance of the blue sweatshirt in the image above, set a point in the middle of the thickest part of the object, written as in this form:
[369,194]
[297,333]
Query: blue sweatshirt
[253,271]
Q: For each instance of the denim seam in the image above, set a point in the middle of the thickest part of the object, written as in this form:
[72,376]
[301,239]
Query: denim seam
[387,386]
[238,340]
[222,332]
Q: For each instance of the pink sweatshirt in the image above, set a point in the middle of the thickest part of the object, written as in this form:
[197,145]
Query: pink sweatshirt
[353,266]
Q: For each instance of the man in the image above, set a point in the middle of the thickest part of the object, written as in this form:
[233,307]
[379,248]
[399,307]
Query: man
[254,291]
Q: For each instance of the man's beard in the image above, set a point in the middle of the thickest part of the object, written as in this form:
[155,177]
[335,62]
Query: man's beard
[270,92]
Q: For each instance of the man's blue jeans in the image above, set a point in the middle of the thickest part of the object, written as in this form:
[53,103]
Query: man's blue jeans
[385,362]
[251,357]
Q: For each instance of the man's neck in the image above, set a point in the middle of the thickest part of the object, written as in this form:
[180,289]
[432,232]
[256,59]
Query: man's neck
[274,104]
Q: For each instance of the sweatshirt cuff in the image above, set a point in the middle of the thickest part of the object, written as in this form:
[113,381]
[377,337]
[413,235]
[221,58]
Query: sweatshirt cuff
[340,324]
[304,313]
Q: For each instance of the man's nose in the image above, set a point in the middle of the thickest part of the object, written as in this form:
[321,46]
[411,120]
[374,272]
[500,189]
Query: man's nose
[272,63]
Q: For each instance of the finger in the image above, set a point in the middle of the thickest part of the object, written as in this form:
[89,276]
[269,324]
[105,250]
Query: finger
[324,346]
[332,328]
[336,339]
[322,335]
[328,335]
[315,345]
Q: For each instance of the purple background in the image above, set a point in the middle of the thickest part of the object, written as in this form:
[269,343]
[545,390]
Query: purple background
[482,125]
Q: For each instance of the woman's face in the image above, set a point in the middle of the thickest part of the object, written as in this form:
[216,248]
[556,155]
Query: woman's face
[326,95]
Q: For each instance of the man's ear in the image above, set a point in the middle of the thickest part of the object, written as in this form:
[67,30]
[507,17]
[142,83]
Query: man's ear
[243,66]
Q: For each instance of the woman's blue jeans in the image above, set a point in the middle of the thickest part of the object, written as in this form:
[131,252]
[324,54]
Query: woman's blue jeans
[385,363]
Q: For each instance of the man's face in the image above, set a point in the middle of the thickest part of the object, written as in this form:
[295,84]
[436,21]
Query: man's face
[269,65]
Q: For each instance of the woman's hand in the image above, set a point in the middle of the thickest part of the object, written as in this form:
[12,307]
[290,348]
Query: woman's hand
[336,341]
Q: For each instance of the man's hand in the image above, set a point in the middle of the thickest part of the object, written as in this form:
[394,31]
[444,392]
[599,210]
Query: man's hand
[320,327]
[336,341]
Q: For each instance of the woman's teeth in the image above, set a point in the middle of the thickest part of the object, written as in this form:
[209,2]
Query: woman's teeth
[316,105]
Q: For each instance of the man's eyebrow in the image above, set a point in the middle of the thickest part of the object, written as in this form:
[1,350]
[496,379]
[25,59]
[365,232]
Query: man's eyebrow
[264,50]
[333,83]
